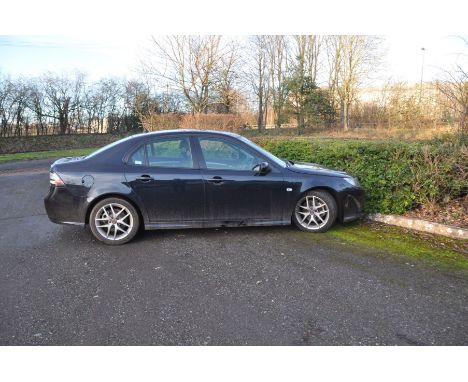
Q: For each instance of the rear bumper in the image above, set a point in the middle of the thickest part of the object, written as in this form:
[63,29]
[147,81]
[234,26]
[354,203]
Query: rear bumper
[62,207]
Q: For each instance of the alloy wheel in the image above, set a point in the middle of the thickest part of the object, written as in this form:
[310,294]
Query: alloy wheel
[312,212]
[114,221]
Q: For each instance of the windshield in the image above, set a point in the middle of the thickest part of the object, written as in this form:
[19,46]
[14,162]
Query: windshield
[269,155]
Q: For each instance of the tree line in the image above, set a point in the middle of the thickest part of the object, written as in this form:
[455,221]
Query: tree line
[61,104]
[280,74]
[278,80]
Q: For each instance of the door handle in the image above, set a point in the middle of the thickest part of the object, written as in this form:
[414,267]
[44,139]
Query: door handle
[216,180]
[144,178]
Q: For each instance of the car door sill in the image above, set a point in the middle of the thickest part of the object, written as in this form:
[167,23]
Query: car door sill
[214,224]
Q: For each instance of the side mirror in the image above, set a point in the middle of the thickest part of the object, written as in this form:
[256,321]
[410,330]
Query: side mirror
[262,168]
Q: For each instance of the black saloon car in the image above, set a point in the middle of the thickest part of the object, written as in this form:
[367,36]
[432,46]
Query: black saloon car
[192,178]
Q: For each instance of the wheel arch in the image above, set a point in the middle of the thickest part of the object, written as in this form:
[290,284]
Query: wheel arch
[114,195]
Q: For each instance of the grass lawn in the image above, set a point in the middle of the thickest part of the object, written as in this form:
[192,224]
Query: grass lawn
[44,154]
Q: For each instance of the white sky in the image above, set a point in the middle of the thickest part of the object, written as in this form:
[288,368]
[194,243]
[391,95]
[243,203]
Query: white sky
[105,38]
[405,55]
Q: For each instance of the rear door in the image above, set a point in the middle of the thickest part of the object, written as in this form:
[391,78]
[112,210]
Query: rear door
[167,180]
[234,192]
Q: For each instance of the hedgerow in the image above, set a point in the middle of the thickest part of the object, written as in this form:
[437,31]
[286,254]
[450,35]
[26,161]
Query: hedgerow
[396,176]
[12,145]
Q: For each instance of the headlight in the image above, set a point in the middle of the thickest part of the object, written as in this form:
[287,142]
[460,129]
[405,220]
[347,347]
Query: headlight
[352,181]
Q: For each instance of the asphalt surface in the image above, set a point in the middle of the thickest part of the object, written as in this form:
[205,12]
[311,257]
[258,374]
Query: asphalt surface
[245,286]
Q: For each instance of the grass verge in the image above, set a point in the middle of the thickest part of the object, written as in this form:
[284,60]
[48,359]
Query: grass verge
[44,155]
[437,250]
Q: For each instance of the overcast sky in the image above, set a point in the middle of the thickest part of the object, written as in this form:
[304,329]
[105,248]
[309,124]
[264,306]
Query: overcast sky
[101,56]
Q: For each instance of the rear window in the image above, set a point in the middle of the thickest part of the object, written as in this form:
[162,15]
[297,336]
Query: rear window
[109,146]
[138,157]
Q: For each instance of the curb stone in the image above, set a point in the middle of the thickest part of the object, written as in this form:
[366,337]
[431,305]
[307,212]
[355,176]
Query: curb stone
[421,225]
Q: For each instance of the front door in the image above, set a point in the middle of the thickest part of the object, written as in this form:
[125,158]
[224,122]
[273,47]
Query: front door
[234,192]
[164,176]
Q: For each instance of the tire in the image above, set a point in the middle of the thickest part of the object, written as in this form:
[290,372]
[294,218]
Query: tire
[110,213]
[309,212]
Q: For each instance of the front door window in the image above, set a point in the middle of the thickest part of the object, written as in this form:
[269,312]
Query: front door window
[222,155]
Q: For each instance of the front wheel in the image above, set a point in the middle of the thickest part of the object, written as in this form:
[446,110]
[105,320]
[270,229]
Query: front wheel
[114,221]
[315,211]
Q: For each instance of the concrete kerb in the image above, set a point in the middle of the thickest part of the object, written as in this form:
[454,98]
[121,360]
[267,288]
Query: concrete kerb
[421,225]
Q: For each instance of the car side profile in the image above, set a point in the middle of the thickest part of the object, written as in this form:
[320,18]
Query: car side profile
[193,179]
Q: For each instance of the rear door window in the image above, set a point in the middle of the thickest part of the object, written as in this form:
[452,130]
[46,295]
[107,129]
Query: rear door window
[164,153]
[169,152]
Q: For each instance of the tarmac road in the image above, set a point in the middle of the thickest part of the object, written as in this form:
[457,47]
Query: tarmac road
[240,286]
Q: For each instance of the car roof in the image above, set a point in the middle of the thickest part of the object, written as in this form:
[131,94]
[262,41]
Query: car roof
[186,131]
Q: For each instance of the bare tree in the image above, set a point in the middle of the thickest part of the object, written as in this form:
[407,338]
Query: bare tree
[90,106]
[6,104]
[19,106]
[312,54]
[189,63]
[257,75]
[106,96]
[278,69]
[304,64]
[305,57]
[350,59]
[76,111]
[36,105]
[227,78]
[61,98]
[454,87]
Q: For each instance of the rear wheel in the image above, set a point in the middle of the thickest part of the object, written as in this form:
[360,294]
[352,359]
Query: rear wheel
[114,221]
[315,211]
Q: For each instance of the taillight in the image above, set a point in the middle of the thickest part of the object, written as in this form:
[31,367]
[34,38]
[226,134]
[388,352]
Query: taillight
[55,179]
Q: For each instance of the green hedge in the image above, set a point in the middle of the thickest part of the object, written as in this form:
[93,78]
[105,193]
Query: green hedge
[396,176]
[12,145]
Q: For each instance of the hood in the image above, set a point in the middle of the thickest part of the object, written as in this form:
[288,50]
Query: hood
[315,169]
